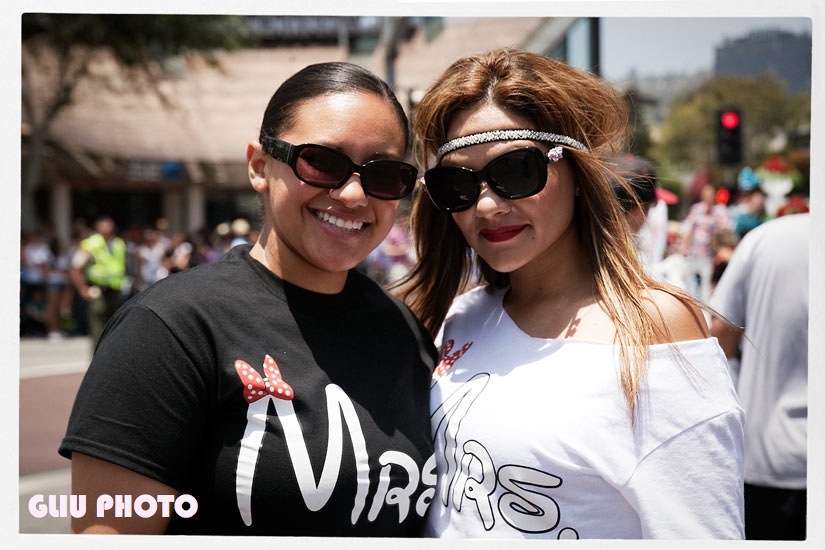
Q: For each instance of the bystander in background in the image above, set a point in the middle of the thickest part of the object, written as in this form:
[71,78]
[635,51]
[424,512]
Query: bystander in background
[98,272]
[704,219]
[765,290]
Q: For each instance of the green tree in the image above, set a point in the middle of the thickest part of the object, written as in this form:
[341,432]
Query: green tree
[58,53]
[688,137]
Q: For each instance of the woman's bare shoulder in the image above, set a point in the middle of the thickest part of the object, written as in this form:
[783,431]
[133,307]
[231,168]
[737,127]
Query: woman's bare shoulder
[681,318]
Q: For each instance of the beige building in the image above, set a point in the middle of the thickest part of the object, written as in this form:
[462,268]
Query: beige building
[132,155]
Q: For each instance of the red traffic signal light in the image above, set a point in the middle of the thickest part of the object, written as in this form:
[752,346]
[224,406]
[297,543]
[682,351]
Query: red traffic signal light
[729,120]
[729,136]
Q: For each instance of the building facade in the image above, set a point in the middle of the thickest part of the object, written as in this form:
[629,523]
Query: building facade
[786,54]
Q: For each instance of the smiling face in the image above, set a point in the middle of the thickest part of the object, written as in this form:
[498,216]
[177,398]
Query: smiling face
[512,234]
[313,236]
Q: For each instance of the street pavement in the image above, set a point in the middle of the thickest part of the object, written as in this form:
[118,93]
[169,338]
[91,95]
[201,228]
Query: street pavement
[50,373]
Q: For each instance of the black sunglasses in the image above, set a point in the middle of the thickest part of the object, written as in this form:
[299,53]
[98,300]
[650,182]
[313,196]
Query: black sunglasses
[327,168]
[514,175]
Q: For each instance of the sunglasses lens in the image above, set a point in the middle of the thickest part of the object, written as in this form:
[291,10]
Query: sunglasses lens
[452,189]
[513,175]
[388,179]
[518,174]
[327,168]
[322,167]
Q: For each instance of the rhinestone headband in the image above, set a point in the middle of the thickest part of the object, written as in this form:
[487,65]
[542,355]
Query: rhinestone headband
[503,135]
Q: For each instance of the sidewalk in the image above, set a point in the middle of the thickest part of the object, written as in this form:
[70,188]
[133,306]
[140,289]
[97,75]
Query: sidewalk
[50,373]
[55,482]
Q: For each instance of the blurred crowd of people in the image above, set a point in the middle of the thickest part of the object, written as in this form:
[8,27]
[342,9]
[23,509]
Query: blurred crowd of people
[54,304]
[58,288]
[691,253]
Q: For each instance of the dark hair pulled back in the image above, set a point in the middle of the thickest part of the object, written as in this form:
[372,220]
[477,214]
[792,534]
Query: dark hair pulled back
[322,79]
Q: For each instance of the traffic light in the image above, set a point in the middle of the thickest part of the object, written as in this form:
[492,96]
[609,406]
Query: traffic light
[729,136]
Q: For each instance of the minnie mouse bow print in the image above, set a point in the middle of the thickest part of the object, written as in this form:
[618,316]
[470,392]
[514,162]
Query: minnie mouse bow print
[256,391]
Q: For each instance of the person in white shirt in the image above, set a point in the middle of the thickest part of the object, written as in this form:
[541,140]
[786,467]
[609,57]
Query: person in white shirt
[765,290]
[575,396]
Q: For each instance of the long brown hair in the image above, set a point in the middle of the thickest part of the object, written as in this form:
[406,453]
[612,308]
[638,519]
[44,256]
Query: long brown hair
[560,99]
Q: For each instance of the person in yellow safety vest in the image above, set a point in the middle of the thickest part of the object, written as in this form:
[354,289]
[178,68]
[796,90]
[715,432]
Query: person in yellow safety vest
[98,272]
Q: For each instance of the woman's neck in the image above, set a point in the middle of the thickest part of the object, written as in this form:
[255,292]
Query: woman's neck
[562,283]
[555,297]
[562,272]
[315,280]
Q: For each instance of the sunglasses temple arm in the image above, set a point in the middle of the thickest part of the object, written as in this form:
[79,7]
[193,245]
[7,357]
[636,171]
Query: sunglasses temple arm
[279,150]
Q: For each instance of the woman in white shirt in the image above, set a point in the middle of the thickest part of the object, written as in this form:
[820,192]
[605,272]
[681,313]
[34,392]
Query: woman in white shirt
[576,397]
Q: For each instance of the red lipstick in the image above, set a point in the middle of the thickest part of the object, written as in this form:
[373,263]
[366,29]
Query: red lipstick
[501,234]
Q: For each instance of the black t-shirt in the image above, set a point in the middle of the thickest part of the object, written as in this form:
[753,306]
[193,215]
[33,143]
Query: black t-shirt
[282,411]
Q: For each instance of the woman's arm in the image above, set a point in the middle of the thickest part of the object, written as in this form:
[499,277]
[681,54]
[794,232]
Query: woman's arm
[93,477]
[728,335]
[137,421]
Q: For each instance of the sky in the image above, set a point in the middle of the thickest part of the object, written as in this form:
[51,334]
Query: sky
[678,45]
